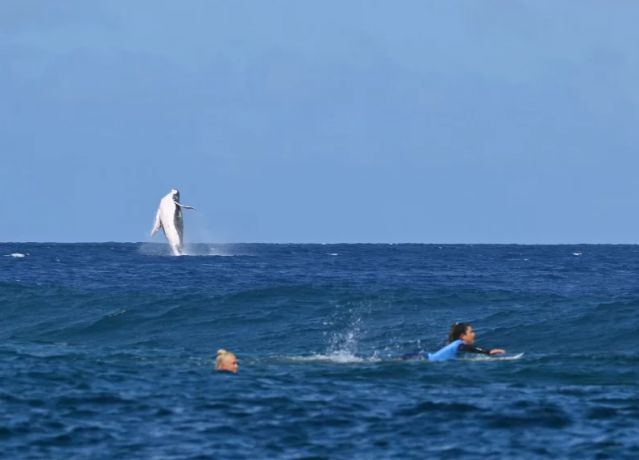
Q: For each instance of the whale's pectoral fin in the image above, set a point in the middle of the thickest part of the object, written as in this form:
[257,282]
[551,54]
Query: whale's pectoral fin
[184,206]
[157,225]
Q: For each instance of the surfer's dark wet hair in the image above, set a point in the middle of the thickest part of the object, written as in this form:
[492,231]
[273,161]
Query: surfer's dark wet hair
[456,331]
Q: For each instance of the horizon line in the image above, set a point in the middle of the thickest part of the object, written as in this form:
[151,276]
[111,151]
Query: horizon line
[331,243]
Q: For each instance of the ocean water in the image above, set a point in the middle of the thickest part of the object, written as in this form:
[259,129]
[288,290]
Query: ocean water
[107,350]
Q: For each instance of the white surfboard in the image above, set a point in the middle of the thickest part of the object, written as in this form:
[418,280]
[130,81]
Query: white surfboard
[514,357]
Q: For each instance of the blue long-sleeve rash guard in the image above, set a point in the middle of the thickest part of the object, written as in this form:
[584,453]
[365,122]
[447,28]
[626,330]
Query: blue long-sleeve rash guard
[448,352]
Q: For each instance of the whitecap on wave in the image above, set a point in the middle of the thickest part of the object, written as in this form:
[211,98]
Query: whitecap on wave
[16,255]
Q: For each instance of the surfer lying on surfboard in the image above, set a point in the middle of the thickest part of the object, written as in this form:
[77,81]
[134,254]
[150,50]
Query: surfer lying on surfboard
[461,339]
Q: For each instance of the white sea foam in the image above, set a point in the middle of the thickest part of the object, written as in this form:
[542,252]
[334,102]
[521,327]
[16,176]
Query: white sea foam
[16,255]
[342,347]
[577,253]
[190,250]
[217,251]
[201,249]
[339,357]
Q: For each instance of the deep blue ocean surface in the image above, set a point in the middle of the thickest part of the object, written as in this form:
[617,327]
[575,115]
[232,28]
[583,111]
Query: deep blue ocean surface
[107,351]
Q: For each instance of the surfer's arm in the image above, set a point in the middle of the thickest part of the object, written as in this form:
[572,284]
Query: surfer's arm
[484,351]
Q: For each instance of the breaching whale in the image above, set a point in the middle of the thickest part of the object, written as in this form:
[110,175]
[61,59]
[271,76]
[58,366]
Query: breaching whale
[169,219]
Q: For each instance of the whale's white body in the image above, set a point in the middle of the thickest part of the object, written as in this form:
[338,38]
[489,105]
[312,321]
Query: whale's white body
[169,219]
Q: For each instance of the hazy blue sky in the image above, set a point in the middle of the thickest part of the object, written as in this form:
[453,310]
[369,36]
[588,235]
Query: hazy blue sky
[321,121]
